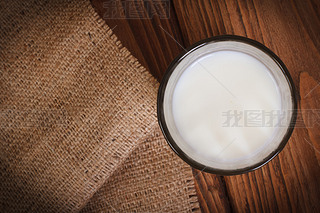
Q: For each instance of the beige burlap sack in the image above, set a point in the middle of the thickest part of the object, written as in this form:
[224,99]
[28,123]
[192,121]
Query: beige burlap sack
[78,125]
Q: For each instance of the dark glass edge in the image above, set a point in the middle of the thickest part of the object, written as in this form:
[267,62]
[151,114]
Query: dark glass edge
[166,133]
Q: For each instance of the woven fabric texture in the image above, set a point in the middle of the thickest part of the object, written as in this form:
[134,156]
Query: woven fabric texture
[74,105]
[152,179]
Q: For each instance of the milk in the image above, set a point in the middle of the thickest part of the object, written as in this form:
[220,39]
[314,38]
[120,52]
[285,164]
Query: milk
[213,85]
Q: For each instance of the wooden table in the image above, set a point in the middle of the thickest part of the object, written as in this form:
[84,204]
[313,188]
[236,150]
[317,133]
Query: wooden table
[157,31]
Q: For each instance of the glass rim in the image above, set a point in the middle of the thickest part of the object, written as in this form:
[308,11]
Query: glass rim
[166,132]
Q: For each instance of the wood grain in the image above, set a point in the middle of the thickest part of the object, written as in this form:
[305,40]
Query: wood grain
[212,193]
[310,102]
[290,28]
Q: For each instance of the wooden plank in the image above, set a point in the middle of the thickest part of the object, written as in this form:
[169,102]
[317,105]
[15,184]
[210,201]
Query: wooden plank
[211,192]
[310,102]
[289,182]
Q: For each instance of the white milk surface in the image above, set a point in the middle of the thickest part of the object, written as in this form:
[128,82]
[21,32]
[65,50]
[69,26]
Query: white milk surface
[217,83]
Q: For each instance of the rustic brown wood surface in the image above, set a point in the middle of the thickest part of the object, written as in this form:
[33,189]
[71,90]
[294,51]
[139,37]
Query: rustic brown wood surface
[291,29]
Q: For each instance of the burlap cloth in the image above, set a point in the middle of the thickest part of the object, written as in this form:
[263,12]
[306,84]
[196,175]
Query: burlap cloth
[78,118]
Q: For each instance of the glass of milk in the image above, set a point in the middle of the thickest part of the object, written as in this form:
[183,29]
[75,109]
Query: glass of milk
[227,105]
